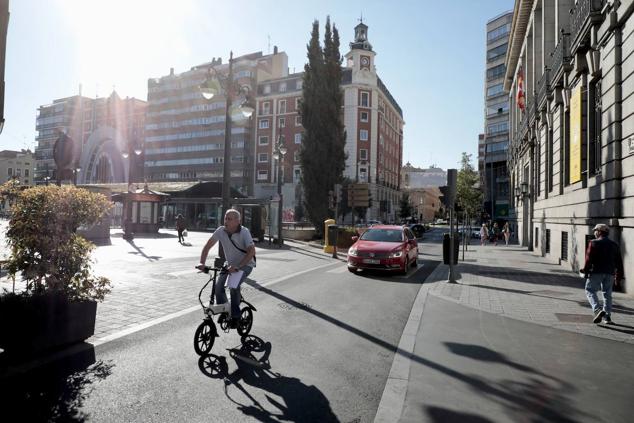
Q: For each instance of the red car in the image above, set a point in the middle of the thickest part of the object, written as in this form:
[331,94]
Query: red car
[387,247]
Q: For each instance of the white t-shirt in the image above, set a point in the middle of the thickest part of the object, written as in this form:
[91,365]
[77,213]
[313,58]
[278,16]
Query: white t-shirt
[242,239]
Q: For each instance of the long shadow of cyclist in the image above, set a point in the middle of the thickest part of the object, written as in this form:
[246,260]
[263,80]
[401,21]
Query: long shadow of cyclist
[300,403]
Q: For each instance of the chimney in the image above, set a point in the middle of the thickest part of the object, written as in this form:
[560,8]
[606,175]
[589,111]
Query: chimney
[274,49]
[171,71]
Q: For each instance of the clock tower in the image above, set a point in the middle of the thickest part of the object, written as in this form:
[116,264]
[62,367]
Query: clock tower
[361,56]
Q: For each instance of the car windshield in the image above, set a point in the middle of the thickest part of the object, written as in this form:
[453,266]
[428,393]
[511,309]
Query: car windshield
[385,235]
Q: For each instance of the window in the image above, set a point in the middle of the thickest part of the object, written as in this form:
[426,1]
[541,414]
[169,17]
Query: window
[26,173]
[547,241]
[266,108]
[263,158]
[296,156]
[494,90]
[536,237]
[282,123]
[498,108]
[10,173]
[564,246]
[364,116]
[496,72]
[496,53]
[263,141]
[363,134]
[498,146]
[263,175]
[298,121]
[363,154]
[365,99]
[298,84]
[282,87]
[297,173]
[298,138]
[498,32]
[297,103]
[497,128]
[363,174]
[282,106]
[264,123]
[267,89]
[18,172]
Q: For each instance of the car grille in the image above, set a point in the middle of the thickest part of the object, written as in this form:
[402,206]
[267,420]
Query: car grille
[366,254]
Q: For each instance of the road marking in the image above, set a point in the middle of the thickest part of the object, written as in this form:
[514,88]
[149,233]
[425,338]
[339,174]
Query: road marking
[341,269]
[174,315]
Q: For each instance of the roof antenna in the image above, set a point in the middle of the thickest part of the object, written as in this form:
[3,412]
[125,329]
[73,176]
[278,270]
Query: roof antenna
[361,18]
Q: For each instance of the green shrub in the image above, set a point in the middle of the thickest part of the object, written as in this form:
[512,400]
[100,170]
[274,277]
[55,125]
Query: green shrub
[44,245]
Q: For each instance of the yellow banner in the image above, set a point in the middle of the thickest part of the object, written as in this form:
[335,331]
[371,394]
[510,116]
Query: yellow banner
[575,135]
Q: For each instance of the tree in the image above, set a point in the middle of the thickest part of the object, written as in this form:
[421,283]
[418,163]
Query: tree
[404,206]
[322,153]
[468,194]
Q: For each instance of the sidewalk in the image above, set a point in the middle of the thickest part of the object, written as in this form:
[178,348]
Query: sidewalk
[490,345]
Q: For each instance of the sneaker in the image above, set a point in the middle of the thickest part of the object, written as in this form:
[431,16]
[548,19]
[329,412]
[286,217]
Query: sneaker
[598,316]
[607,320]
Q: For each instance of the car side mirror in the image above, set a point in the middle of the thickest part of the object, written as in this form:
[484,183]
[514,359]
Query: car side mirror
[355,238]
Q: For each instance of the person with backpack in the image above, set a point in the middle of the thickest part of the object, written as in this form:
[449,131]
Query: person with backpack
[239,252]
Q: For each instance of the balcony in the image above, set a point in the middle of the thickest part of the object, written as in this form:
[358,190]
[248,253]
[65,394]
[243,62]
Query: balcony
[584,14]
[560,59]
[543,90]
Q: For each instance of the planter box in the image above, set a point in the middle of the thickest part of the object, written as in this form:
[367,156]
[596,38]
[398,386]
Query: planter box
[41,322]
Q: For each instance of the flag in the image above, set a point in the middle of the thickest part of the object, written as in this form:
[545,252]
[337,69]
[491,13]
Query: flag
[521,98]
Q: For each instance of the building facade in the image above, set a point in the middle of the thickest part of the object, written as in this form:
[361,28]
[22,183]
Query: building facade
[572,121]
[423,187]
[494,174]
[373,122]
[104,130]
[18,166]
[185,132]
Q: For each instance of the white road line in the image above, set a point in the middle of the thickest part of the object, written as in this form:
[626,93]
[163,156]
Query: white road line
[174,315]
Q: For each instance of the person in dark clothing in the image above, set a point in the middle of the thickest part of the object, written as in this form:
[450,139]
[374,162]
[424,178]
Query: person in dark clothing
[180,227]
[603,270]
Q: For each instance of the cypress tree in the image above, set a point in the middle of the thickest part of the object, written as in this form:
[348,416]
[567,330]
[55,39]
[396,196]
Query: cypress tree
[322,154]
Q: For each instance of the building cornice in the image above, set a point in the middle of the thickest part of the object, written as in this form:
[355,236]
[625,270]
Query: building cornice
[521,17]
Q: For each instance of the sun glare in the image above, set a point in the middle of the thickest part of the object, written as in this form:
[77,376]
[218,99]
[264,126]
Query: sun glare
[119,41]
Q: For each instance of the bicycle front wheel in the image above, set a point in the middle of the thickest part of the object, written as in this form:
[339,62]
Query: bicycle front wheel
[204,337]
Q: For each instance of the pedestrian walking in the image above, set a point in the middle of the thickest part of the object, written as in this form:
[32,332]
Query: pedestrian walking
[484,234]
[603,271]
[495,233]
[506,230]
[180,227]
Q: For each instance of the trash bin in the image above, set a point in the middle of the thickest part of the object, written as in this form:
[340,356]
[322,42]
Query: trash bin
[333,230]
[446,246]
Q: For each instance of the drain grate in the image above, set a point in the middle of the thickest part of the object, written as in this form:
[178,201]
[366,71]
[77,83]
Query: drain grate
[289,307]
[574,318]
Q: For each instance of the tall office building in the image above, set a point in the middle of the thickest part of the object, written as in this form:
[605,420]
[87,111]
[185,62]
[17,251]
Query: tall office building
[185,133]
[493,166]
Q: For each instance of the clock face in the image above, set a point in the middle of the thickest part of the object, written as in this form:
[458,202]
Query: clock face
[365,61]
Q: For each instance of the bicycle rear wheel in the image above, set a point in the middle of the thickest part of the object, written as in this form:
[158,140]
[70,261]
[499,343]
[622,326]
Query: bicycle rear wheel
[204,337]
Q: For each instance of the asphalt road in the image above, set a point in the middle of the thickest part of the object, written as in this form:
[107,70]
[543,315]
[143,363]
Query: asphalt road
[321,350]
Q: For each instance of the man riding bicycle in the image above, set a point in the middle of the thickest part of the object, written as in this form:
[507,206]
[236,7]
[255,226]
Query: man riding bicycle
[239,251]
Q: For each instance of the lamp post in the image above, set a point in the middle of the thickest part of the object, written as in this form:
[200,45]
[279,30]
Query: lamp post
[278,154]
[527,241]
[75,171]
[134,151]
[213,85]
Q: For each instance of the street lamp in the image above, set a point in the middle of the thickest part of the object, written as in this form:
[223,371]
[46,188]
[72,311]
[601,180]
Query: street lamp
[524,188]
[75,171]
[127,218]
[278,154]
[213,85]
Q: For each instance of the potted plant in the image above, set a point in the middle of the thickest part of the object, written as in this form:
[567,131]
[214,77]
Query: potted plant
[59,304]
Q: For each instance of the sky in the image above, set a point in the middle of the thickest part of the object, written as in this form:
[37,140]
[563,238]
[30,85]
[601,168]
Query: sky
[430,54]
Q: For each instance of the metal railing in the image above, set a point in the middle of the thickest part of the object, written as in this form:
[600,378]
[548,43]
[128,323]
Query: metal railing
[581,12]
[561,53]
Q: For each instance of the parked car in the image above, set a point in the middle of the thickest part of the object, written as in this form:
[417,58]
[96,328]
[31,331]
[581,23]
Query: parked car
[386,247]
[374,222]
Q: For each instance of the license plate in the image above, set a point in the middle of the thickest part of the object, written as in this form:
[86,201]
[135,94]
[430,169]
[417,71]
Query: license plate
[371,261]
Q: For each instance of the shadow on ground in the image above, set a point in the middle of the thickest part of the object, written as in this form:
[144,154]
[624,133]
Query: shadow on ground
[287,398]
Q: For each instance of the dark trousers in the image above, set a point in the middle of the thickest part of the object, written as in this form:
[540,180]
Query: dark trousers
[181,238]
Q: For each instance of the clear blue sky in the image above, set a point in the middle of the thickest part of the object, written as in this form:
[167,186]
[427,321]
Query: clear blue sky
[430,54]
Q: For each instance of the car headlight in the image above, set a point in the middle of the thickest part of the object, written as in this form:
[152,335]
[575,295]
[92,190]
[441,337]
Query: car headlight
[352,252]
[395,254]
